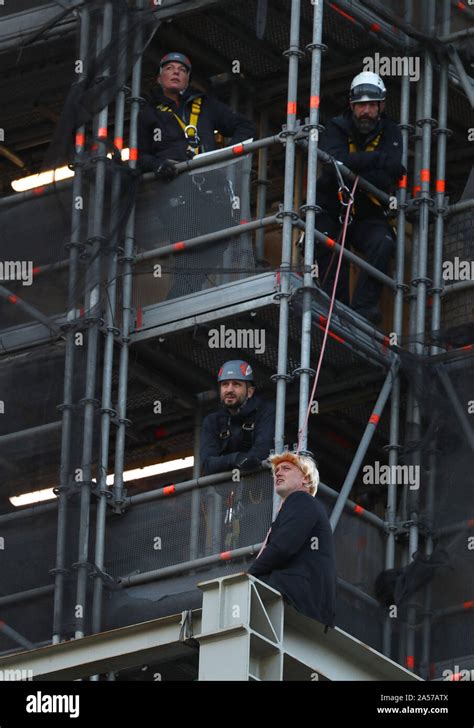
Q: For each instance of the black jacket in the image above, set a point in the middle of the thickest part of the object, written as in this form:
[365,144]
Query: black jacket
[299,560]
[173,144]
[382,167]
[221,454]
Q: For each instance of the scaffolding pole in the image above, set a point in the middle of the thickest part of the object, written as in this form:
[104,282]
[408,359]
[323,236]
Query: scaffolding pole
[127,284]
[394,437]
[436,291]
[363,445]
[282,377]
[305,371]
[93,308]
[421,283]
[107,411]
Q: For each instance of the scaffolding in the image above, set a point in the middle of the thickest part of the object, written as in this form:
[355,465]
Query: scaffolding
[119,343]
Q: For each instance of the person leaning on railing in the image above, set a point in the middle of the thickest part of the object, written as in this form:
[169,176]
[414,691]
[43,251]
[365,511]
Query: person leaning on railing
[239,436]
[241,433]
[364,139]
[177,124]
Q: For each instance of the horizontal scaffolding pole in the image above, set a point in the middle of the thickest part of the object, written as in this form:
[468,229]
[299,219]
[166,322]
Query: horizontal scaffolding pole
[237,150]
[202,240]
[29,310]
[15,636]
[455,609]
[463,206]
[174,489]
[350,175]
[457,287]
[351,257]
[454,528]
[353,507]
[29,512]
[175,569]
[458,35]
[355,591]
[200,161]
[26,596]
[30,433]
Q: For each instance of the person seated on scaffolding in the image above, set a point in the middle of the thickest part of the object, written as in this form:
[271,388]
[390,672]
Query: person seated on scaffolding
[368,142]
[239,436]
[297,557]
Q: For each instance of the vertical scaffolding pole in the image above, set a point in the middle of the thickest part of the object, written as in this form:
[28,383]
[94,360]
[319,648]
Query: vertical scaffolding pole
[394,442]
[421,282]
[93,312]
[288,214]
[262,184]
[74,246]
[127,283]
[305,372]
[111,332]
[441,141]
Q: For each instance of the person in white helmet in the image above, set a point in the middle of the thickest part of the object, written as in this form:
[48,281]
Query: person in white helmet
[370,144]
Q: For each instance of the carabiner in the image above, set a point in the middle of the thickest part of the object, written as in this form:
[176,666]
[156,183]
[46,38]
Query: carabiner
[343,190]
[194,137]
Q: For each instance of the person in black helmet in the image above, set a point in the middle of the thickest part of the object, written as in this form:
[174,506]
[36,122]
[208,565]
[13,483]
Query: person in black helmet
[240,434]
[370,144]
[177,124]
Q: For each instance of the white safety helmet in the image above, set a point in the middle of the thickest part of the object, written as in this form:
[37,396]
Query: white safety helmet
[367,86]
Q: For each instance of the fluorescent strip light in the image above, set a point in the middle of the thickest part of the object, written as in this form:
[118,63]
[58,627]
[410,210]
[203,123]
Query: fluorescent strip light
[55,175]
[42,179]
[35,497]
[137,474]
[150,470]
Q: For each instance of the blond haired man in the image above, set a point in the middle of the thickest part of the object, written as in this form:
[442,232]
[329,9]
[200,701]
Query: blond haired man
[298,558]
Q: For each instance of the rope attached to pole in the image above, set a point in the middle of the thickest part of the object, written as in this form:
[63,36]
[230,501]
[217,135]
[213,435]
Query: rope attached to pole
[331,305]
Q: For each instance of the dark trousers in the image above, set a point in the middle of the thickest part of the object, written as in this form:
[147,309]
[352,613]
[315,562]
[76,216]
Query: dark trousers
[374,238]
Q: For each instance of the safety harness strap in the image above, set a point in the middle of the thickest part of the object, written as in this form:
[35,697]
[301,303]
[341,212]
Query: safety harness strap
[190,130]
[370,147]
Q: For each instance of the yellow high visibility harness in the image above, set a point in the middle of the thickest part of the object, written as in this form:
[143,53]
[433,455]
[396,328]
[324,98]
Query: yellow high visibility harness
[370,147]
[190,130]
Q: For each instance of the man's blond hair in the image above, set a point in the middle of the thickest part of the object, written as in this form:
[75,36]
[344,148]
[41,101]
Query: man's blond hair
[304,463]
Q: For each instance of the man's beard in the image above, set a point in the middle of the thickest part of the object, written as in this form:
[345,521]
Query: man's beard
[236,404]
[365,126]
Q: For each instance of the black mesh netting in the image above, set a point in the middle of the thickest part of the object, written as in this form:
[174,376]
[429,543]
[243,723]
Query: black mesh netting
[195,204]
[31,387]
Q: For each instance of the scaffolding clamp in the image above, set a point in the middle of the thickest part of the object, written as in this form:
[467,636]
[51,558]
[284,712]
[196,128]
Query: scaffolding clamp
[105,578]
[304,370]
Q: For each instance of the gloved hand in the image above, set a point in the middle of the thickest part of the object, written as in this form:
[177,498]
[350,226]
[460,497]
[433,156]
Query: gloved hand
[247,463]
[165,170]
[393,168]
